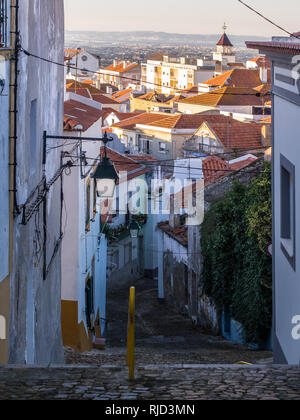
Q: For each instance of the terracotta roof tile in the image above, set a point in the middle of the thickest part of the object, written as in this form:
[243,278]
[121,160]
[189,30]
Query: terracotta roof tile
[124,163]
[144,118]
[77,113]
[81,85]
[120,68]
[241,78]
[225,97]
[123,95]
[242,135]
[261,61]
[180,234]
[102,99]
[284,47]
[213,168]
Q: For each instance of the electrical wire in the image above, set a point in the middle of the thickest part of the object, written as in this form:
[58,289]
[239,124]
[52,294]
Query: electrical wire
[267,19]
[29,54]
[170,166]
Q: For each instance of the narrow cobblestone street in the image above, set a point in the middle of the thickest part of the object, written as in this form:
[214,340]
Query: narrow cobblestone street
[162,335]
[151,383]
[175,361]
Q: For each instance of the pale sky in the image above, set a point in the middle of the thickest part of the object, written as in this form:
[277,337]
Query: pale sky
[182,16]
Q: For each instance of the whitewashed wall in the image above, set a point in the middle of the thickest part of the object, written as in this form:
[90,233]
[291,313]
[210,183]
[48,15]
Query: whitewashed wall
[4,160]
[287,281]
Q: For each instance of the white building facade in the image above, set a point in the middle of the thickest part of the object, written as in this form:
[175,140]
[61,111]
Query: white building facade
[285,56]
[30,282]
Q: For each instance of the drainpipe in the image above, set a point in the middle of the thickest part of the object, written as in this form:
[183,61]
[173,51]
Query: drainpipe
[14,28]
[14,73]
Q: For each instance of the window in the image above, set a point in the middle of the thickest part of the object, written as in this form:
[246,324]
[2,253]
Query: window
[162,147]
[88,206]
[4,31]
[287,210]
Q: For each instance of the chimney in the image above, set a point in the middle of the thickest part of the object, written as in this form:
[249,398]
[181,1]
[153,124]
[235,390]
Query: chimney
[109,90]
[263,74]
[115,62]
[266,135]
[182,60]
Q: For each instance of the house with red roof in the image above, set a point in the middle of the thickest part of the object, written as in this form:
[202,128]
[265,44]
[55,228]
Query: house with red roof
[223,134]
[263,65]
[246,103]
[236,78]
[121,74]
[85,90]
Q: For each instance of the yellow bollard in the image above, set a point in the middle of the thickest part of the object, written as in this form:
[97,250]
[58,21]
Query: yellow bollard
[131,333]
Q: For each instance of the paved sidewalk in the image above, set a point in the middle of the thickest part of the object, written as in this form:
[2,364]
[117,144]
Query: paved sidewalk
[165,382]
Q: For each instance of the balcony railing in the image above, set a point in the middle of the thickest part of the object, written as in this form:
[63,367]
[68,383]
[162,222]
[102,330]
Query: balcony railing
[4,33]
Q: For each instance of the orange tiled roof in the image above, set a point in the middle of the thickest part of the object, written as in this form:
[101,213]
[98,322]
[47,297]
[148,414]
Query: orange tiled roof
[142,158]
[264,88]
[261,61]
[144,118]
[122,95]
[71,84]
[213,168]
[242,78]
[124,163]
[237,166]
[180,234]
[186,121]
[105,100]
[80,92]
[77,113]
[241,135]
[69,52]
[120,68]
[98,97]
[226,96]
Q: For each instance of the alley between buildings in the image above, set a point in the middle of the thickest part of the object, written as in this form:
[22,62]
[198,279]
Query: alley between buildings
[174,361]
[162,335]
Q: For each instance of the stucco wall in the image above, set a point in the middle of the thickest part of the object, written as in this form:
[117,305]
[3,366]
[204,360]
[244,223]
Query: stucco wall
[4,186]
[287,285]
[35,332]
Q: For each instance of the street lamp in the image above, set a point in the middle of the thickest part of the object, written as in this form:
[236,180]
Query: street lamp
[134,229]
[105,174]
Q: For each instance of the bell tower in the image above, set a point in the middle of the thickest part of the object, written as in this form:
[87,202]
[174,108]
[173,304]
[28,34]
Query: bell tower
[224,53]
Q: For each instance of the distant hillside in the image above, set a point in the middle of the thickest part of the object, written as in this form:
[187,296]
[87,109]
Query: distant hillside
[154,38]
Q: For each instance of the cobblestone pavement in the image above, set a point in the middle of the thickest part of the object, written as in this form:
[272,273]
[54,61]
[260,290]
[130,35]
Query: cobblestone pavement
[174,361]
[151,383]
[162,335]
